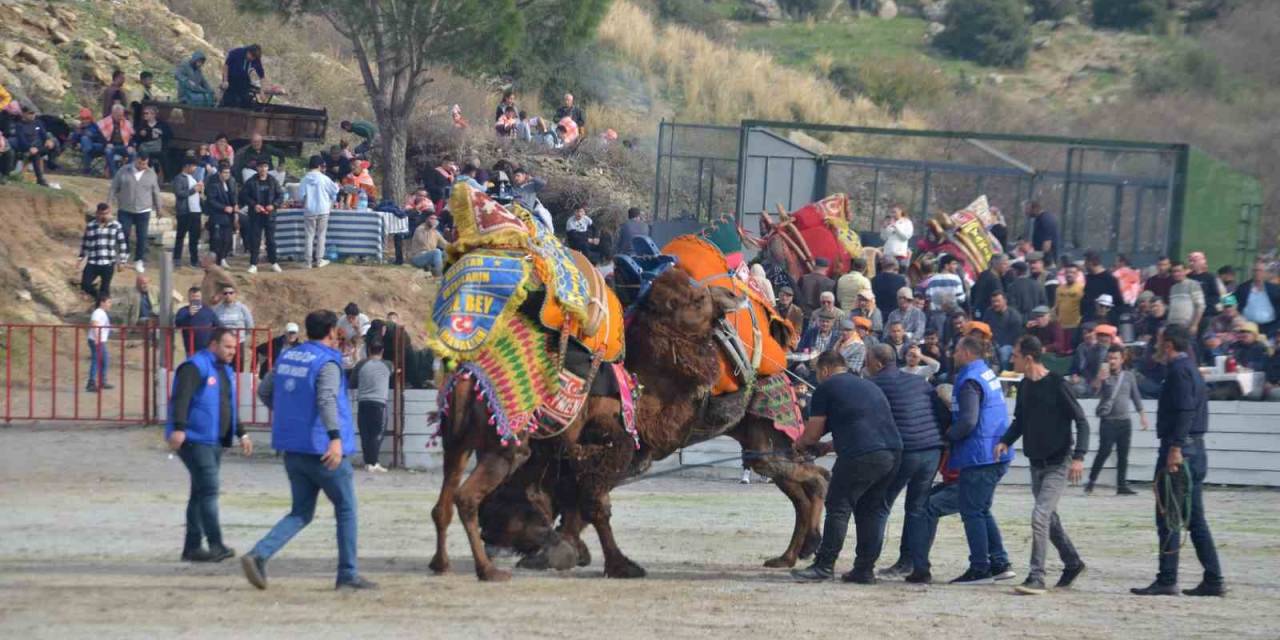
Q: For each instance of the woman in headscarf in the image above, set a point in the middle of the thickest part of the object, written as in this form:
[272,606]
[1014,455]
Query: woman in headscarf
[760,282]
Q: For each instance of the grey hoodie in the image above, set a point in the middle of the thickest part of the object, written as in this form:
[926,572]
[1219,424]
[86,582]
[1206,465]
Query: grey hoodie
[136,194]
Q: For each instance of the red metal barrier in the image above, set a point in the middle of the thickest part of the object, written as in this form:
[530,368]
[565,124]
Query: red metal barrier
[44,380]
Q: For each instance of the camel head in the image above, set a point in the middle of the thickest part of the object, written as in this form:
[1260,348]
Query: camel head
[671,332]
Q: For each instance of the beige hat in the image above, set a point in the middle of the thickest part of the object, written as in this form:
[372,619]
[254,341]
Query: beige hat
[905,292]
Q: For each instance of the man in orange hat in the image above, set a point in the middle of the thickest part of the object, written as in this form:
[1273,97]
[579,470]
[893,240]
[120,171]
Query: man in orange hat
[89,138]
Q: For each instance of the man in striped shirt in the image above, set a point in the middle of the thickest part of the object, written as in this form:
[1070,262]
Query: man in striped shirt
[946,283]
[103,250]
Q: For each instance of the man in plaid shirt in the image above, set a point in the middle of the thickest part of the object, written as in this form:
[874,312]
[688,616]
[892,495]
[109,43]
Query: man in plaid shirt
[103,250]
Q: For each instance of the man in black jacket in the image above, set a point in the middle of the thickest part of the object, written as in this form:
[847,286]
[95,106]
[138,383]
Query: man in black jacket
[921,418]
[1097,283]
[221,193]
[1182,419]
[187,195]
[989,282]
[1046,408]
[262,195]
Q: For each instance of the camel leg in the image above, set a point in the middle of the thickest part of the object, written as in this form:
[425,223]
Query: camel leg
[803,483]
[491,469]
[455,462]
[571,526]
[616,565]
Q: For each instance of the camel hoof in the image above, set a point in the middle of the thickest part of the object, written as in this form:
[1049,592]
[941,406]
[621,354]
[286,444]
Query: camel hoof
[780,562]
[811,544]
[625,570]
[439,564]
[535,561]
[584,554]
[493,575]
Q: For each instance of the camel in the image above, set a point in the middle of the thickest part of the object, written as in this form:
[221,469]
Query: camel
[580,495]
[682,315]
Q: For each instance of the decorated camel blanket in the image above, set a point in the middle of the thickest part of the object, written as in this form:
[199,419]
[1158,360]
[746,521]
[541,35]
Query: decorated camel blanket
[704,262]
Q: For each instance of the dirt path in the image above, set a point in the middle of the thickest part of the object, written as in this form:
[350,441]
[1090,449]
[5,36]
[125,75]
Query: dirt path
[93,520]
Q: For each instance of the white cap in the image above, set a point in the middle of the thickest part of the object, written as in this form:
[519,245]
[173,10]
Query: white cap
[1106,300]
[292,327]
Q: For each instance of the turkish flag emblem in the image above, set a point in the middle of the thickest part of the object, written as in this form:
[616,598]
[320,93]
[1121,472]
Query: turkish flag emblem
[461,324]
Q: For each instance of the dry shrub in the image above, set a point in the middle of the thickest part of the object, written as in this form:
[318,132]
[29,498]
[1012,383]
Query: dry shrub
[716,83]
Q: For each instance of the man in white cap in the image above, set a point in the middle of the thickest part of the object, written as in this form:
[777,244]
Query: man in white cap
[911,317]
[1103,306]
[269,352]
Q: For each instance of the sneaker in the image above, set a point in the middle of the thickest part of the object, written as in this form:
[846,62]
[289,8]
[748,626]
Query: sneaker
[815,573]
[1206,589]
[746,477]
[357,583]
[378,468]
[91,387]
[218,554]
[1088,488]
[322,263]
[197,555]
[1031,587]
[1126,491]
[223,263]
[255,569]
[859,576]
[107,387]
[1069,575]
[920,577]
[1002,572]
[276,267]
[899,569]
[1155,589]
[139,267]
[972,577]
[253,268]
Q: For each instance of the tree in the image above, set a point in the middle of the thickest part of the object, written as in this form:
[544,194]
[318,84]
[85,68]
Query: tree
[989,32]
[1052,9]
[397,42]
[1136,15]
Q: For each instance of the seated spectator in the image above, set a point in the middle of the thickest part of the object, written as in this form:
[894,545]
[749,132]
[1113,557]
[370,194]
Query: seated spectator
[34,144]
[566,132]
[581,233]
[1006,326]
[525,126]
[822,336]
[193,88]
[508,102]
[1048,332]
[337,166]
[1225,325]
[7,158]
[255,153]
[787,308]
[896,337]
[459,122]
[1272,385]
[367,132]
[118,133]
[221,151]
[426,250]
[1249,350]
[919,364]
[571,112]
[89,138]
[827,300]
[867,309]
[851,346]
[1089,357]
[506,124]
[361,179]
[911,318]
[153,137]
[863,326]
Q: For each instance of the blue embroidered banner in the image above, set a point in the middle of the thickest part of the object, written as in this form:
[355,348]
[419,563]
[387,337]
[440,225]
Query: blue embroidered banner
[477,289]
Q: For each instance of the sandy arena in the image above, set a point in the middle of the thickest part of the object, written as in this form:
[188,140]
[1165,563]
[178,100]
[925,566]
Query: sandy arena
[93,519]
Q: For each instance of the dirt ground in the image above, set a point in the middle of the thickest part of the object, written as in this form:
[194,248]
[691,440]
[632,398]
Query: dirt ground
[93,518]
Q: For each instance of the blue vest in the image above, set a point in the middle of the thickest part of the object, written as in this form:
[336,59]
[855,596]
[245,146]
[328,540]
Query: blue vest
[978,448]
[204,412]
[296,425]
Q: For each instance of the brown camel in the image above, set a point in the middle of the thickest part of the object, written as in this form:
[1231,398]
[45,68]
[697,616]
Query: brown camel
[580,495]
[594,445]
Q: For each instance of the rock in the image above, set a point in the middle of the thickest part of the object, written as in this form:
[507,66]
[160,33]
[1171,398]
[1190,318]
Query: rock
[935,28]
[1095,99]
[995,78]
[24,295]
[45,89]
[888,10]
[1041,43]
[935,11]
[59,37]
[1044,25]
[1069,22]
[768,10]
[10,49]
[46,62]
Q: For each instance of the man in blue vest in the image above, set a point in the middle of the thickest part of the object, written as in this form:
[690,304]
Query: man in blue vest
[979,419]
[203,420]
[311,424]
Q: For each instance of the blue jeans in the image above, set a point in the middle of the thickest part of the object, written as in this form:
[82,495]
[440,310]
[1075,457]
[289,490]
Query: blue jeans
[915,474]
[99,355]
[432,260]
[116,155]
[944,500]
[202,461]
[977,487]
[1005,351]
[89,149]
[307,478]
[1197,463]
